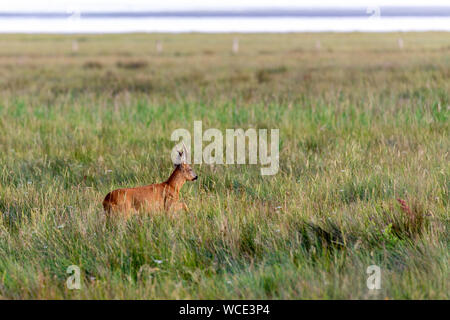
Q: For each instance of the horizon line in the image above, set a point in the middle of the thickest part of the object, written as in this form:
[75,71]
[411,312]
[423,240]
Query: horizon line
[382,11]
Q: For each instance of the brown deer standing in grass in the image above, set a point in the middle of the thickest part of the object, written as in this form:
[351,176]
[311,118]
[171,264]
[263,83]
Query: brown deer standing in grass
[160,196]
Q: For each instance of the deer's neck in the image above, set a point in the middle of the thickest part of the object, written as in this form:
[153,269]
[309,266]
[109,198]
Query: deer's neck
[176,180]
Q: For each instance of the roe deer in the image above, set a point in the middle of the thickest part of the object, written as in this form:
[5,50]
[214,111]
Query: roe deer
[160,196]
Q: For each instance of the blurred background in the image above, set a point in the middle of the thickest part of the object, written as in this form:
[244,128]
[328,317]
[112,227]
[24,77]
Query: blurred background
[231,16]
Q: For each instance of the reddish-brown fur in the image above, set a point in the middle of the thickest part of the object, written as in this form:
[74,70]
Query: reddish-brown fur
[160,196]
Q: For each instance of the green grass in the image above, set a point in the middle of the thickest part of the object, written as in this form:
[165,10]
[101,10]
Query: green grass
[361,122]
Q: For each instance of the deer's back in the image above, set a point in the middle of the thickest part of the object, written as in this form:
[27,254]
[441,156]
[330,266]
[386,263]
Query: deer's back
[134,198]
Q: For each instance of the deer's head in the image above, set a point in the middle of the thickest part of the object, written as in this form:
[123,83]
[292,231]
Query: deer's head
[184,167]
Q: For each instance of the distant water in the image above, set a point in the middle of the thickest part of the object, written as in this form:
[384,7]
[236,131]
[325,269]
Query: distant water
[119,25]
[372,19]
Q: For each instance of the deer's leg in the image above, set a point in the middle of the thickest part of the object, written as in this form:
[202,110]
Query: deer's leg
[180,206]
[175,206]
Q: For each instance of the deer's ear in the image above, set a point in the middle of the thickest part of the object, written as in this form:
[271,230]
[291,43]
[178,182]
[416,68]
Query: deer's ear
[182,156]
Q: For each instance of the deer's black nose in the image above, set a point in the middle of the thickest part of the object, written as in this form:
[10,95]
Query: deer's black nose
[195,178]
